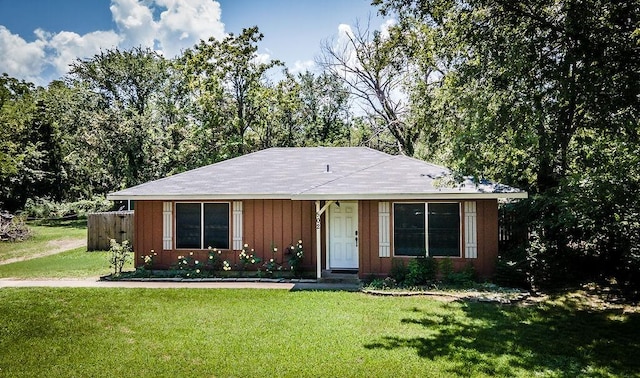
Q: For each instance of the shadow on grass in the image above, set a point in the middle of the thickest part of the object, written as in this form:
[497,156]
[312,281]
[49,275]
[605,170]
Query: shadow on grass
[561,340]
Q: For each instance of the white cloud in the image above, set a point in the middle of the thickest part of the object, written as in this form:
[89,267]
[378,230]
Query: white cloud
[185,22]
[69,46]
[181,24]
[302,66]
[134,21]
[19,58]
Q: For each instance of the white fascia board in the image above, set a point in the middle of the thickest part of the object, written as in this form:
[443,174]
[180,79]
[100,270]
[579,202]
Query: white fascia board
[313,197]
[194,197]
[409,196]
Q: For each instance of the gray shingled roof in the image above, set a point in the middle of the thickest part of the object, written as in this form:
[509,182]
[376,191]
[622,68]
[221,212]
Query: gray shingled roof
[301,173]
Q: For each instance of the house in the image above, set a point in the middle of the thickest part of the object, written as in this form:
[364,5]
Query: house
[355,209]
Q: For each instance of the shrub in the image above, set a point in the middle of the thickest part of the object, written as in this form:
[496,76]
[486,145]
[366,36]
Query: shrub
[119,254]
[464,278]
[272,265]
[214,260]
[189,267]
[422,271]
[247,258]
[296,254]
[42,208]
[398,270]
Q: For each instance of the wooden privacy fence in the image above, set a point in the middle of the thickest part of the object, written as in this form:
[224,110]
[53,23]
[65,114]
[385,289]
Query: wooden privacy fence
[102,227]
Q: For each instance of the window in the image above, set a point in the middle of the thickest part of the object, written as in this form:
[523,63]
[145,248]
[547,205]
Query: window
[431,229]
[202,225]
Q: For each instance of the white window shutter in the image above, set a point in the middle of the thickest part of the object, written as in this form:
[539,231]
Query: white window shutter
[167,229]
[237,225]
[384,229]
[470,230]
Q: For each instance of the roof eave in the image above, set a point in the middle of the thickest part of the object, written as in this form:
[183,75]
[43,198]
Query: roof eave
[409,196]
[311,197]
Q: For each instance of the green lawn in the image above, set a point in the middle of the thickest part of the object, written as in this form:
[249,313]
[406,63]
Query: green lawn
[262,333]
[45,237]
[75,263]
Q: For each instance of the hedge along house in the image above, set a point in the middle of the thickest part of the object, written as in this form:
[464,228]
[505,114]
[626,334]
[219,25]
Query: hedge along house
[355,209]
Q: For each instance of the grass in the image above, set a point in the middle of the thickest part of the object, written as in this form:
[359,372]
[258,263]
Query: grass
[256,333]
[75,263]
[45,237]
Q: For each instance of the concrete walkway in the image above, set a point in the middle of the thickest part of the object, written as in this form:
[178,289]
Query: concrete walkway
[94,282]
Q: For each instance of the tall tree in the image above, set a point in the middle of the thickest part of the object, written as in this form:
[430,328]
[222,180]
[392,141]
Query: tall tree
[233,66]
[374,68]
[535,92]
[127,129]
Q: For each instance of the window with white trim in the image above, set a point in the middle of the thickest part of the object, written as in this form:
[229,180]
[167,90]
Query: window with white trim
[202,225]
[426,229]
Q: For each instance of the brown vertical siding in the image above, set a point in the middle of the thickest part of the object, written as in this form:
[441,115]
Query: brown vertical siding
[484,265]
[281,222]
[284,222]
[370,261]
[148,229]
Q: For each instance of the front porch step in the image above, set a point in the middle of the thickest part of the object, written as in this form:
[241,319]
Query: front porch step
[345,277]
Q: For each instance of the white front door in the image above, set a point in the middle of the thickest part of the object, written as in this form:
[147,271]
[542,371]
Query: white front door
[343,236]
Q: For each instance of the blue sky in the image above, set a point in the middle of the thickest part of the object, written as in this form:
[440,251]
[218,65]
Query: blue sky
[40,38]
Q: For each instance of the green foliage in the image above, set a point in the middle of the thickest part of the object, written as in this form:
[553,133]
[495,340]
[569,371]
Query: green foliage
[538,95]
[41,208]
[399,270]
[422,271]
[247,259]
[119,255]
[295,257]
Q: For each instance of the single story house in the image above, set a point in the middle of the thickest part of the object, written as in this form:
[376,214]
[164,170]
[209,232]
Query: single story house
[355,209]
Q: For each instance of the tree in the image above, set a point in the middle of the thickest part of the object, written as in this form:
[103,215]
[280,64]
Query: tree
[534,92]
[373,67]
[325,109]
[127,130]
[231,71]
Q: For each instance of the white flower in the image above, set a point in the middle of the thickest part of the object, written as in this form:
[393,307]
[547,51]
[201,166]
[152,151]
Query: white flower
[275,249]
[210,257]
[246,245]
[190,253]
[271,260]
[197,262]
[197,270]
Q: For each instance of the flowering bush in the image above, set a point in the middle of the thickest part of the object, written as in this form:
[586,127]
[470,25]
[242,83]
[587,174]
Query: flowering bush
[214,260]
[147,260]
[119,254]
[246,258]
[296,254]
[189,267]
[272,265]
